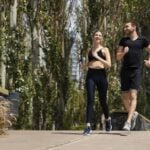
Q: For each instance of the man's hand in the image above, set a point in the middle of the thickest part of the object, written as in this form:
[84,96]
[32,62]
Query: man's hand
[126,49]
[147,63]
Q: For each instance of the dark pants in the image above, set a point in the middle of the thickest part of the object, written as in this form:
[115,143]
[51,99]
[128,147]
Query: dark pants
[96,78]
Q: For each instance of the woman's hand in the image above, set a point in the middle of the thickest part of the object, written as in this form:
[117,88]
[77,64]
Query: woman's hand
[95,55]
[106,62]
[147,63]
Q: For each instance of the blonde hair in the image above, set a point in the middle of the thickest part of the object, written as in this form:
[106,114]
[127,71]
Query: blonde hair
[94,32]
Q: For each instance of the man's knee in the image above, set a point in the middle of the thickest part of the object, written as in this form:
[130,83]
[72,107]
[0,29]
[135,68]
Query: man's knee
[125,95]
[133,95]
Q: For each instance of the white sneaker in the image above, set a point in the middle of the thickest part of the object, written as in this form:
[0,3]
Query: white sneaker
[127,126]
[133,121]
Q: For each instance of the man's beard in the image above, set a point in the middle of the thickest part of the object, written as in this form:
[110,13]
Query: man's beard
[128,33]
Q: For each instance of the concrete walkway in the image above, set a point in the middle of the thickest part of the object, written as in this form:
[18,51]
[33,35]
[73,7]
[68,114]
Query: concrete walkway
[74,140]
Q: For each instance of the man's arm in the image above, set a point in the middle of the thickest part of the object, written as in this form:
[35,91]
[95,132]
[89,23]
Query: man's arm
[147,62]
[148,49]
[121,51]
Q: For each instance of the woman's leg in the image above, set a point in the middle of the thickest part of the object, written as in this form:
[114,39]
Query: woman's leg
[102,90]
[90,89]
[102,86]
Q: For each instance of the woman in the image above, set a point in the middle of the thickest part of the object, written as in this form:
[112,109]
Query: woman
[98,60]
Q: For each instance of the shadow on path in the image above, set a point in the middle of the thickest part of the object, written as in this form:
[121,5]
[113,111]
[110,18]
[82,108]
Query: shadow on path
[123,133]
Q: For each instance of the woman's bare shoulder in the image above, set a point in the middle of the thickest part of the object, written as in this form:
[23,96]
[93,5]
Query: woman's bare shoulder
[106,49]
[89,49]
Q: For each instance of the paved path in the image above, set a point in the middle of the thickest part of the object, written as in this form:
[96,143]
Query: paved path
[74,140]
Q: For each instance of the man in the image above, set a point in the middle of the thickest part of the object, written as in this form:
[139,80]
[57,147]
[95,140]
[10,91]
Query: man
[130,53]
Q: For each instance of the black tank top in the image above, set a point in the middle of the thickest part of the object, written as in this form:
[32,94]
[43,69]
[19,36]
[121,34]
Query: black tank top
[92,58]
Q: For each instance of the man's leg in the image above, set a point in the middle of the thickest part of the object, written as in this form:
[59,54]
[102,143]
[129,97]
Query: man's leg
[130,81]
[131,109]
[126,100]
[133,99]
[125,87]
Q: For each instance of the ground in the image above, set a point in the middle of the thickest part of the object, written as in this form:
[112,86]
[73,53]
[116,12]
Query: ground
[74,140]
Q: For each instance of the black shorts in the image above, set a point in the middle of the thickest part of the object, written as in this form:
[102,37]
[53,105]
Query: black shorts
[130,79]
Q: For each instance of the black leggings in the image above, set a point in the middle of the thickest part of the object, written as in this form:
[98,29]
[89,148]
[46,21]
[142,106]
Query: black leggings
[96,77]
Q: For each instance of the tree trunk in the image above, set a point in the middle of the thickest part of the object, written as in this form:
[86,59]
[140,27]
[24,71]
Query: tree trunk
[13,13]
[3,70]
[3,66]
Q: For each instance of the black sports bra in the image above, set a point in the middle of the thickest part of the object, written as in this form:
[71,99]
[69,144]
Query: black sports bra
[92,58]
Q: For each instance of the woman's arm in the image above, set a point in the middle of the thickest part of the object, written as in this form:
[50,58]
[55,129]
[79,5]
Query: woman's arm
[84,63]
[107,62]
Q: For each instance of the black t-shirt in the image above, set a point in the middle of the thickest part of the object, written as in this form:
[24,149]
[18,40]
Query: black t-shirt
[133,58]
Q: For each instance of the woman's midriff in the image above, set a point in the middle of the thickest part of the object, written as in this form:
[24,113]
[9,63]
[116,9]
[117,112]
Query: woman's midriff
[95,64]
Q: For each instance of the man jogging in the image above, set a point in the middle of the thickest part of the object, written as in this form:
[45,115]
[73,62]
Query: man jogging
[130,52]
